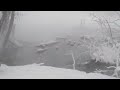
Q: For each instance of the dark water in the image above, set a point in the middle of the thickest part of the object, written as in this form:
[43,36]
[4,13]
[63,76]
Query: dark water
[57,57]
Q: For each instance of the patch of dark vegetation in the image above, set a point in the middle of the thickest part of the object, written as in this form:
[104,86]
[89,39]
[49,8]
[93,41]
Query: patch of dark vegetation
[93,66]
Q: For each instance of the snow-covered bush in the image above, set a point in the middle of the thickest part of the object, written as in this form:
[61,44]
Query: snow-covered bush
[108,52]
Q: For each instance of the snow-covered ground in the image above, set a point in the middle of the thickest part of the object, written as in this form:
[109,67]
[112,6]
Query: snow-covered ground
[35,71]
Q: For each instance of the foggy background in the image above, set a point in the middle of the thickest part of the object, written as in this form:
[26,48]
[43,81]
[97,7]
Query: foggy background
[41,26]
[44,26]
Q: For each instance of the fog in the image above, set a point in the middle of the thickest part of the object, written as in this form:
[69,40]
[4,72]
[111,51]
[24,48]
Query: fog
[40,26]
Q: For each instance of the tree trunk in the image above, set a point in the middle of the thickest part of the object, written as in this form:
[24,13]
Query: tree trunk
[4,20]
[7,23]
[9,29]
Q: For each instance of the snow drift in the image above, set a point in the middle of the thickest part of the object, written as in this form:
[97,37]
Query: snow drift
[37,71]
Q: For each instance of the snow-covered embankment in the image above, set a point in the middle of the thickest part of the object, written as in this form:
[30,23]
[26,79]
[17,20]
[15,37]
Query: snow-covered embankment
[35,71]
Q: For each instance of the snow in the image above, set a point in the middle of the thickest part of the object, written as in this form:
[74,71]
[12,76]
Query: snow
[37,71]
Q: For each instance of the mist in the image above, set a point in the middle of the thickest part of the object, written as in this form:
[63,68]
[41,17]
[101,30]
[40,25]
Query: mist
[41,26]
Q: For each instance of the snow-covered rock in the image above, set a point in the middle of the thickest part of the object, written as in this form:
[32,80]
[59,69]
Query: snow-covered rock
[37,71]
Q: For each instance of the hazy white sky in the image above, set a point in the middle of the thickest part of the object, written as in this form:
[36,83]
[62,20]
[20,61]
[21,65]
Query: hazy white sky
[37,25]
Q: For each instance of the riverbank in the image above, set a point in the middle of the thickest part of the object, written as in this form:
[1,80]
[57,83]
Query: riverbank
[35,71]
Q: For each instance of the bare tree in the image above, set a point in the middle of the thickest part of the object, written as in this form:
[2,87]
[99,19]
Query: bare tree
[4,20]
[6,24]
[9,28]
[106,27]
[115,49]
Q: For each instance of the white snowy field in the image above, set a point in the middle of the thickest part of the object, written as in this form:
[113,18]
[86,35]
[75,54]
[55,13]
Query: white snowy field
[35,71]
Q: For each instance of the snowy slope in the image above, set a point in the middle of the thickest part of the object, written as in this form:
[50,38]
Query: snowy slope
[36,71]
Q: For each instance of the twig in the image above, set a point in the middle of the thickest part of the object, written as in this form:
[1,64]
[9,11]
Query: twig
[111,67]
[100,71]
[73,58]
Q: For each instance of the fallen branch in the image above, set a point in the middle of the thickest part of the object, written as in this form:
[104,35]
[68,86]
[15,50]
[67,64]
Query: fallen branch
[73,58]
